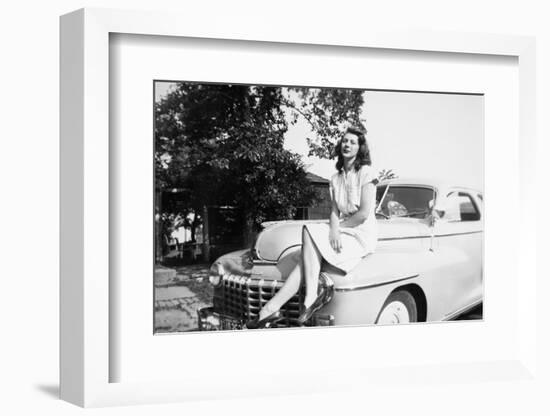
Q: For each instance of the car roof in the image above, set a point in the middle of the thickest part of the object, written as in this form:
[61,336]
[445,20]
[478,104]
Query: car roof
[434,183]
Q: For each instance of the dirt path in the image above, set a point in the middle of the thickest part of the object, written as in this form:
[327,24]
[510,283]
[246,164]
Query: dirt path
[179,294]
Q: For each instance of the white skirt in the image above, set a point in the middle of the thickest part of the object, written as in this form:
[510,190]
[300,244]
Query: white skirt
[356,244]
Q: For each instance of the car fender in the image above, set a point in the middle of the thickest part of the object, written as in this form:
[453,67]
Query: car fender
[382,267]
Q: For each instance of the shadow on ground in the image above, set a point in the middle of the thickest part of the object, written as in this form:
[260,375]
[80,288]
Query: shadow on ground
[51,390]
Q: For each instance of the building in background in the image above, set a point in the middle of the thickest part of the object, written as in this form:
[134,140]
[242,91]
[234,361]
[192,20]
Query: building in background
[219,230]
[321,210]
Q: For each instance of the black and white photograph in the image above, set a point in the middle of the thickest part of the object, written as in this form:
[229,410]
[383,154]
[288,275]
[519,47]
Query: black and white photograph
[292,206]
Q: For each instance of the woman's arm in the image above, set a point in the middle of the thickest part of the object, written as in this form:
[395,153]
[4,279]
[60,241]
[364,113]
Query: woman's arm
[334,222]
[368,194]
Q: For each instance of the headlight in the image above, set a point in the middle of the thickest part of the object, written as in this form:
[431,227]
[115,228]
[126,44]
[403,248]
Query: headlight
[215,274]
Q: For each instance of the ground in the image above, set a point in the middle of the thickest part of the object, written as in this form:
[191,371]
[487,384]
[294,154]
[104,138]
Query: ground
[180,292]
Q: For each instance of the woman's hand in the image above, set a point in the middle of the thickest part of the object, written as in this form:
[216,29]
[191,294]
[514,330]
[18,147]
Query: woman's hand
[334,239]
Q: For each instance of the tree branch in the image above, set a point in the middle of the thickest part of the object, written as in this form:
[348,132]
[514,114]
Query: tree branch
[289,104]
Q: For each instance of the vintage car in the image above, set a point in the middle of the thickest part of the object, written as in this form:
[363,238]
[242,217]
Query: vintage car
[428,265]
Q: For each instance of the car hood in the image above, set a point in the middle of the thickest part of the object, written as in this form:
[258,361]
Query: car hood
[279,238]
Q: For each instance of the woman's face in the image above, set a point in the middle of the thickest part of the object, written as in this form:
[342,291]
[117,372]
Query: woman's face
[350,145]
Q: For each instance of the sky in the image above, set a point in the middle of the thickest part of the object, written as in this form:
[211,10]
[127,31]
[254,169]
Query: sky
[417,135]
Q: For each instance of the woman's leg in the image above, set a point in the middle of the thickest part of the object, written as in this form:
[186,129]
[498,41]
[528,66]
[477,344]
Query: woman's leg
[289,289]
[312,266]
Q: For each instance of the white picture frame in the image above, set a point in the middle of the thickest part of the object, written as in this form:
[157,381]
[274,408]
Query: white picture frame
[85,221]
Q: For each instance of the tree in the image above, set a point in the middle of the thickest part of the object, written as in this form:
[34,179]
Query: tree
[222,144]
[328,111]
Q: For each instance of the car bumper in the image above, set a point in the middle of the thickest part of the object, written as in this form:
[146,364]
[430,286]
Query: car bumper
[210,320]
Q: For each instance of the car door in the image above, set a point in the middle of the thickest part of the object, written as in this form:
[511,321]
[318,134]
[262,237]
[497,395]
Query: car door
[458,243]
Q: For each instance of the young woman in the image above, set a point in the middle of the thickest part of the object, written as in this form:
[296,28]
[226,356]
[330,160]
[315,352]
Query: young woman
[349,236]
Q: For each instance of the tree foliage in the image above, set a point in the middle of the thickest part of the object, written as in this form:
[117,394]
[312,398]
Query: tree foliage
[328,111]
[386,174]
[222,144]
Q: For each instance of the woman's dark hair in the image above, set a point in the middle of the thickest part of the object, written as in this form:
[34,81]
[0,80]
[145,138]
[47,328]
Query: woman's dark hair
[363,155]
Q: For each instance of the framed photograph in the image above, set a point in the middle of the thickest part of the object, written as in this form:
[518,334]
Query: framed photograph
[204,175]
[250,181]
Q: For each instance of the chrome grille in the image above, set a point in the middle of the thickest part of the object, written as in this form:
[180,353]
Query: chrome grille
[242,297]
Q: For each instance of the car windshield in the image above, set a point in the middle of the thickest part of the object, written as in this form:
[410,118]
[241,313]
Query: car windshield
[403,201]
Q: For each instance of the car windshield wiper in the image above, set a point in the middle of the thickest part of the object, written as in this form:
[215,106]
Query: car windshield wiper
[378,209]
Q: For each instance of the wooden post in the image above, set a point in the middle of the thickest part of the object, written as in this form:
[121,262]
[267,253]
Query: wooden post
[158,241]
[205,235]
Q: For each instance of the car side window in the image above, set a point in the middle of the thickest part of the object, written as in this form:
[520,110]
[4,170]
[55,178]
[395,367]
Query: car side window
[461,207]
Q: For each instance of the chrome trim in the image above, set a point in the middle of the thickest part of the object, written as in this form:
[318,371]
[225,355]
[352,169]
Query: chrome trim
[415,237]
[329,284]
[404,238]
[454,234]
[354,288]
[241,297]
[264,262]
[428,236]
[288,248]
